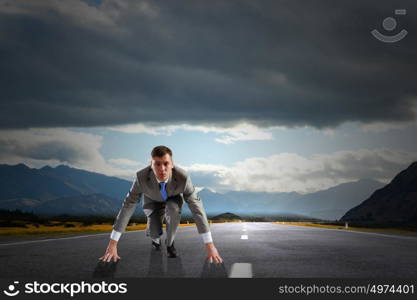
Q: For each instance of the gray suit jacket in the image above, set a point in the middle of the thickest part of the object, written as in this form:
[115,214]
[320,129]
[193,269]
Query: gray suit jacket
[179,183]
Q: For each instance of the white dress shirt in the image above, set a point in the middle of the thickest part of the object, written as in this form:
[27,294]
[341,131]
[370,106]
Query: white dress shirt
[115,235]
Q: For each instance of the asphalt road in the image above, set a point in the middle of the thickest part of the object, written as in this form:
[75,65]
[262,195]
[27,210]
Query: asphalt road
[268,250]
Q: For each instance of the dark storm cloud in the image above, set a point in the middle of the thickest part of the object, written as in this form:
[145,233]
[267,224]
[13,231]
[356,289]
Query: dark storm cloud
[293,63]
[49,144]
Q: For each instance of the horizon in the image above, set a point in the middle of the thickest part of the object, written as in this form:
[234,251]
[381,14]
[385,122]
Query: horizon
[201,188]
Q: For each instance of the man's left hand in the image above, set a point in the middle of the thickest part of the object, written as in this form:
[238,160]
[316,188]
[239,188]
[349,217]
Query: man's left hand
[213,254]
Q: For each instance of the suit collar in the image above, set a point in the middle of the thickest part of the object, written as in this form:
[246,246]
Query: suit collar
[171,183]
[153,183]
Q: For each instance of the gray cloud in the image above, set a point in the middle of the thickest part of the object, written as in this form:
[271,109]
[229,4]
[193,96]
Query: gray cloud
[49,144]
[290,63]
[55,146]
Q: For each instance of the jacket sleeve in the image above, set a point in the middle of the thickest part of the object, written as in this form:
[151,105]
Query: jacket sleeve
[128,207]
[195,204]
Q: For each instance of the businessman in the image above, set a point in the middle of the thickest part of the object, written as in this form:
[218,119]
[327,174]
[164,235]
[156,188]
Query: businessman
[164,188]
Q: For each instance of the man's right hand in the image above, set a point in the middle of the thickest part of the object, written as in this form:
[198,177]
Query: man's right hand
[111,252]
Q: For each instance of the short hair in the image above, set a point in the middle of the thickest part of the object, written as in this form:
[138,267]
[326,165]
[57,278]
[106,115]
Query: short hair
[160,151]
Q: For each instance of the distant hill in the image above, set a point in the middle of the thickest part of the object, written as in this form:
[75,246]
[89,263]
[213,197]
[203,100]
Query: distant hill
[30,189]
[86,182]
[394,203]
[239,202]
[48,183]
[226,216]
[329,204]
[332,203]
[20,181]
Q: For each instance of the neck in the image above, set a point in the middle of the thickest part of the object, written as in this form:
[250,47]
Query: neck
[164,179]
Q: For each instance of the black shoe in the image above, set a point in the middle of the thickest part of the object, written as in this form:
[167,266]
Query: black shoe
[156,246]
[172,252]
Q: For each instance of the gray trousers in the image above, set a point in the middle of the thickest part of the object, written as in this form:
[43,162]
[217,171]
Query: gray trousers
[171,212]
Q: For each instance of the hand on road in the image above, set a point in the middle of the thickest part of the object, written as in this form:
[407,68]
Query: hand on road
[111,252]
[212,254]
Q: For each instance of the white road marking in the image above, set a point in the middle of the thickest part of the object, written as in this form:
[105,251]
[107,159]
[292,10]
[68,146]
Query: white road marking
[64,238]
[351,231]
[244,237]
[241,270]
[244,229]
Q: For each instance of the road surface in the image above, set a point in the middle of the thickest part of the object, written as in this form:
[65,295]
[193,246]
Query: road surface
[256,250]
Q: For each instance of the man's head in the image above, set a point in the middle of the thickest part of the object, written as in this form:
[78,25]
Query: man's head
[162,163]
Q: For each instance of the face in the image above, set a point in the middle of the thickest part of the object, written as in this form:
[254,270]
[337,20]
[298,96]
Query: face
[162,166]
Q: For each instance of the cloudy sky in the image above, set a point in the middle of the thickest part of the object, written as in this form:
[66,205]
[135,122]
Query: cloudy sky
[250,95]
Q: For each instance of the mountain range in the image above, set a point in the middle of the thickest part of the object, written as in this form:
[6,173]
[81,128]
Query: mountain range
[329,204]
[66,190]
[60,190]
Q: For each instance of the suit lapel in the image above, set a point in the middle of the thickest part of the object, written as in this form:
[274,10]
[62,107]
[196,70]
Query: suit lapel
[171,184]
[154,185]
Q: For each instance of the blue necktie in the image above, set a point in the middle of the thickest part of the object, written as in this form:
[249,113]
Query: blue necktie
[163,191]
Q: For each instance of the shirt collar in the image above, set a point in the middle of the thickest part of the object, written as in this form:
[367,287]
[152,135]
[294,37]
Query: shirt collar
[161,181]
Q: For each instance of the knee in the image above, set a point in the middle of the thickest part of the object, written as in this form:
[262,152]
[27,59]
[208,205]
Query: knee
[172,208]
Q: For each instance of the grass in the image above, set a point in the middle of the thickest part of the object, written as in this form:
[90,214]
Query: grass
[63,228]
[365,229]
[73,227]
